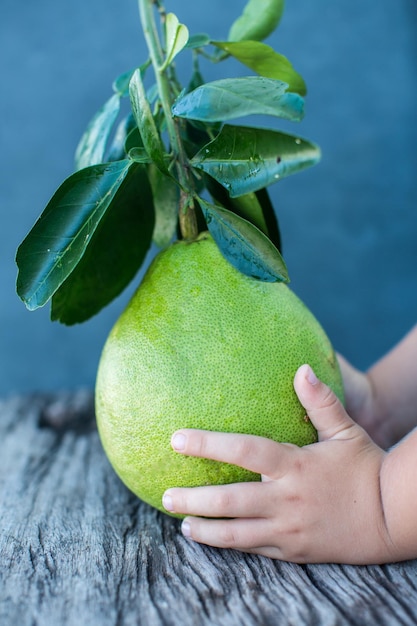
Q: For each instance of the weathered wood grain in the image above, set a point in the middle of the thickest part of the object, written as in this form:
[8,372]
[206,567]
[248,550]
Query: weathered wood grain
[76,548]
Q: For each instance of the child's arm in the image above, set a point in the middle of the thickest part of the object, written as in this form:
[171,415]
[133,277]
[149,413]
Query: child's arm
[340,500]
[384,399]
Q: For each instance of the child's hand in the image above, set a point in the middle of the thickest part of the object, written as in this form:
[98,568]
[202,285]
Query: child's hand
[320,503]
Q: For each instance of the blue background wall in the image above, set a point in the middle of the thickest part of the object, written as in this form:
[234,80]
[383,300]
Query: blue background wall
[349,225]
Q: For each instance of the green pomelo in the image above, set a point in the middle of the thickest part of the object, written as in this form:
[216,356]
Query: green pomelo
[201,345]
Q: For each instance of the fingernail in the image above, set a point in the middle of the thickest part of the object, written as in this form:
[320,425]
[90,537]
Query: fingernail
[186,529]
[167,502]
[178,442]
[311,377]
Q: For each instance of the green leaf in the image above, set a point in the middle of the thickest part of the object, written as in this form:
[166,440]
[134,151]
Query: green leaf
[146,124]
[270,217]
[56,243]
[256,207]
[92,146]
[244,159]
[176,36]
[263,60]
[196,79]
[198,41]
[244,245]
[113,255]
[230,98]
[259,19]
[133,140]
[166,199]
[139,155]
[117,150]
[121,84]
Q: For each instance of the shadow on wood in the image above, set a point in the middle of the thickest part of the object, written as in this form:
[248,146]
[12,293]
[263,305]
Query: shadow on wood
[77,548]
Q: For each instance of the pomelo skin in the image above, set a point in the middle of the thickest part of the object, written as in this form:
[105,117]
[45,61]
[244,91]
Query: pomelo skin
[201,345]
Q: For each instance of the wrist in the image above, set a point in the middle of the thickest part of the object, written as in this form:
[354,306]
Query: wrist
[377,414]
[398,493]
[387,423]
[362,401]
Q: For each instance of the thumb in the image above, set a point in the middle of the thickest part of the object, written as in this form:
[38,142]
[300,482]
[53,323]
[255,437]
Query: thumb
[322,405]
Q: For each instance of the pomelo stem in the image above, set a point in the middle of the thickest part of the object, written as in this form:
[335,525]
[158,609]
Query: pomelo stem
[187,218]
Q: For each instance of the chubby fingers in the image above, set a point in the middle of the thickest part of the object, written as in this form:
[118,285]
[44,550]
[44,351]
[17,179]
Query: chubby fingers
[256,454]
[248,528]
[245,500]
[323,406]
[247,535]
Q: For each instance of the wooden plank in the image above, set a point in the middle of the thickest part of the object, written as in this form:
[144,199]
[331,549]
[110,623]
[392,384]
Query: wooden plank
[77,548]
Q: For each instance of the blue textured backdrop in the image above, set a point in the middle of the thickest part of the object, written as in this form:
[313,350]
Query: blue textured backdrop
[349,225]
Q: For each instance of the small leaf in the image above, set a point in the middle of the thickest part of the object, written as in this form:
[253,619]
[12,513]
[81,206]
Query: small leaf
[139,155]
[198,41]
[58,240]
[146,124]
[121,84]
[263,60]
[259,19]
[92,146]
[196,80]
[245,159]
[113,255]
[244,245]
[166,199]
[117,150]
[176,35]
[230,98]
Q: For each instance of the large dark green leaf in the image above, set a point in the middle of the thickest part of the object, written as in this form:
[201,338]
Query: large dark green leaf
[60,237]
[257,208]
[92,146]
[230,98]
[245,159]
[244,245]
[113,255]
[270,217]
[258,20]
[263,60]
[146,124]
